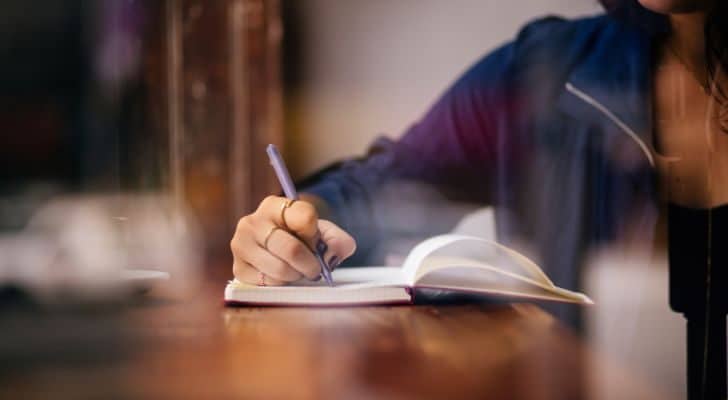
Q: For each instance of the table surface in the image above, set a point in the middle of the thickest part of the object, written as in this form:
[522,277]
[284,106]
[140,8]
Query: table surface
[197,348]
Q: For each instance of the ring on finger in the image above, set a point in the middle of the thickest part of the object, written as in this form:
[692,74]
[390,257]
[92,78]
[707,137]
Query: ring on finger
[284,206]
[268,235]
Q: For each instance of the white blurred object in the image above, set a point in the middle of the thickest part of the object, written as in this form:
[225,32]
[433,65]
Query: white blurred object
[632,324]
[479,223]
[102,248]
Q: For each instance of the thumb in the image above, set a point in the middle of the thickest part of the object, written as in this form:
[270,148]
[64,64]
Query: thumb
[340,244]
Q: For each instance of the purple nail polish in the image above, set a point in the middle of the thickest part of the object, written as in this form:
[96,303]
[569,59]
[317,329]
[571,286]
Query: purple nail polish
[321,246]
[333,262]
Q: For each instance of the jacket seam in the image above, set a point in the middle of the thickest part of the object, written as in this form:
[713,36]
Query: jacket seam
[609,114]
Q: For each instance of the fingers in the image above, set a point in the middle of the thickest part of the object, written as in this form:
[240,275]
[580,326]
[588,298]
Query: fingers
[300,217]
[273,266]
[341,244]
[294,253]
[247,248]
[245,272]
[277,239]
[248,252]
[285,259]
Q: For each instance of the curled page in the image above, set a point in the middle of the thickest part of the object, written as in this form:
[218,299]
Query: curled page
[487,251]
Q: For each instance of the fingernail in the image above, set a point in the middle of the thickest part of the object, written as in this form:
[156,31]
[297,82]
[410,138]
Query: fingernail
[321,246]
[333,262]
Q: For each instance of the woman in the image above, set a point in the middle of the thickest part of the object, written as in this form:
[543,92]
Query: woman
[565,131]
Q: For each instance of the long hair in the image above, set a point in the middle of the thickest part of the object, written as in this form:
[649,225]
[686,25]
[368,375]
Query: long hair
[716,39]
[716,34]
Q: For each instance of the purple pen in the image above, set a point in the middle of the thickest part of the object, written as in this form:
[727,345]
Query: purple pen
[290,191]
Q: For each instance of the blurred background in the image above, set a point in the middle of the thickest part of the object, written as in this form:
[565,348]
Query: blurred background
[180,97]
[140,106]
[364,69]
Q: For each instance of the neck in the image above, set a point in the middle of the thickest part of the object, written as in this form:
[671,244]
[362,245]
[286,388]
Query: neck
[688,38]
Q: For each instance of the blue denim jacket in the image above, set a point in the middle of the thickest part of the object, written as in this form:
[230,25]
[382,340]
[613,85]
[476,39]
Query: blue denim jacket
[552,129]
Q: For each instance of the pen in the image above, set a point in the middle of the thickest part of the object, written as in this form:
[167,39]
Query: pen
[290,191]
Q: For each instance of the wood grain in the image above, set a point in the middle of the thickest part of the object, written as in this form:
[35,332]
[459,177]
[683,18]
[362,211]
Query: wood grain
[199,349]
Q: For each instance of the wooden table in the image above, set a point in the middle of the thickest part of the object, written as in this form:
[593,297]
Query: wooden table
[198,349]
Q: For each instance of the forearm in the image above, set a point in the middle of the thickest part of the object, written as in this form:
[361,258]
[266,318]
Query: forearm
[449,155]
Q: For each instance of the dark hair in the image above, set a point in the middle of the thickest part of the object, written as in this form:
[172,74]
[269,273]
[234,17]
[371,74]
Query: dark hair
[716,32]
[716,37]
[632,12]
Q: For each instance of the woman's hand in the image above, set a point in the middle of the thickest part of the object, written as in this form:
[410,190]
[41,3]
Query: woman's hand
[272,246]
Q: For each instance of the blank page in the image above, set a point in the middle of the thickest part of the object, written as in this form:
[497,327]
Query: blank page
[373,285]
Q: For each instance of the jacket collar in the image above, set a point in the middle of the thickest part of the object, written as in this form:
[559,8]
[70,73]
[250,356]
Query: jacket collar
[616,73]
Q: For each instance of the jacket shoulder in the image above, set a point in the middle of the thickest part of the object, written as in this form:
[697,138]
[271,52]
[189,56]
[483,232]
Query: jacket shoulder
[552,35]
[558,25]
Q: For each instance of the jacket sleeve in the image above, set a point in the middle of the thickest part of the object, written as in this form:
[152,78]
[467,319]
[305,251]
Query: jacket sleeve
[451,150]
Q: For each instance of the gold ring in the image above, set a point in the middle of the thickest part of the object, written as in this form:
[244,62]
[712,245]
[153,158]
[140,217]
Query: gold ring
[285,205]
[261,279]
[268,235]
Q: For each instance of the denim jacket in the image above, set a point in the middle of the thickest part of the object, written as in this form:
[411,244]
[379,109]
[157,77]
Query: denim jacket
[553,130]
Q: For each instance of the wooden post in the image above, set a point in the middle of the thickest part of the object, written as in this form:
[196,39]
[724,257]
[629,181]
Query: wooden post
[222,100]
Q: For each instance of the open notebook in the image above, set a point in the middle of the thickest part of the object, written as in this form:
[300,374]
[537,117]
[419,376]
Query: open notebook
[448,262]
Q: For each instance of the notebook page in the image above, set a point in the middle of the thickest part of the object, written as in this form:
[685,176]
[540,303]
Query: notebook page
[471,276]
[240,293]
[369,285]
[370,275]
[482,250]
[344,279]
